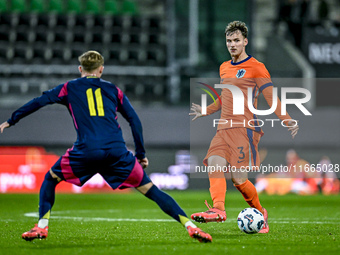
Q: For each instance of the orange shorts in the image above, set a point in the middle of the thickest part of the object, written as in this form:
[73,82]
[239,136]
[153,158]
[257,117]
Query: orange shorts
[239,146]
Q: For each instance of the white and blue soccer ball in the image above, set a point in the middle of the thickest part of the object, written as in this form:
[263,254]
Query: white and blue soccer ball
[250,220]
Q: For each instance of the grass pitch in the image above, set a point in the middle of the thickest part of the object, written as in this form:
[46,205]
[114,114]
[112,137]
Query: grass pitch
[131,224]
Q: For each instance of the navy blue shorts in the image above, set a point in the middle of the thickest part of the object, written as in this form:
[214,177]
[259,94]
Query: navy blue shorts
[119,167]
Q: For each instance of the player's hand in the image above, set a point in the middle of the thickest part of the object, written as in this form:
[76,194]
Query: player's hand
[293,128]
[197,111]
[3,126]
[144,162]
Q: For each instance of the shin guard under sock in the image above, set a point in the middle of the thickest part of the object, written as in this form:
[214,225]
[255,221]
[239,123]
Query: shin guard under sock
[218,187]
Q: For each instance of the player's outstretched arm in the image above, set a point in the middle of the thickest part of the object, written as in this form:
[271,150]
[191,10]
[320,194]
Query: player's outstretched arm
[197,111]
[4,125]
[127,111]
[293,128]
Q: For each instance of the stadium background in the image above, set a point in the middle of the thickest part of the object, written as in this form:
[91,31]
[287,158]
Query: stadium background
[152,49]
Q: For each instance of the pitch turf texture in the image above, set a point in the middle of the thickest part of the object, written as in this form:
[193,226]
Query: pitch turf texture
[99,224]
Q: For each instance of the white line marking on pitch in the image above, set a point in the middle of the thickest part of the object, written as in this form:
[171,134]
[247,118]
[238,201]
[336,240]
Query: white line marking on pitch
[36,215]
[86,211]
[285,221]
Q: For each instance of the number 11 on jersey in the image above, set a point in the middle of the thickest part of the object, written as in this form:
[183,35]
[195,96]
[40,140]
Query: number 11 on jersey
[99,101]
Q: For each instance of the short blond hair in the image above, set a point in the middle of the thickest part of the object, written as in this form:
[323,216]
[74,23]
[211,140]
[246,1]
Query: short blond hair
[91,60]
[232,27]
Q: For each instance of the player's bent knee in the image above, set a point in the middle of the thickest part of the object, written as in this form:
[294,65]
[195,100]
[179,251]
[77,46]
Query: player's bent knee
[145,188]
[239,177]
[238,181]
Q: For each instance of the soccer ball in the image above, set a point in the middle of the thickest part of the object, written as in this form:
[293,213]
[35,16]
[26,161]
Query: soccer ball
[250,220]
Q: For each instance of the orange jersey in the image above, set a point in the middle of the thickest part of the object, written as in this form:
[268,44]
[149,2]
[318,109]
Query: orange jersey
[245,74]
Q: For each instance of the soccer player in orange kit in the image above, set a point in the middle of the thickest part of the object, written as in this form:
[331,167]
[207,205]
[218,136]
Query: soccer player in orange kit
[236,141]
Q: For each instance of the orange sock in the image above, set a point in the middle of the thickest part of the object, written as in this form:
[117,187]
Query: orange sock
[218,188]
[249,193]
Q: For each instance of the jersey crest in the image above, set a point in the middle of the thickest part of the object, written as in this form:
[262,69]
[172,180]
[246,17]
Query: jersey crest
[240,73]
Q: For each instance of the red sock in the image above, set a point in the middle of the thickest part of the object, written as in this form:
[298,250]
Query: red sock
[249,193]
[218,188]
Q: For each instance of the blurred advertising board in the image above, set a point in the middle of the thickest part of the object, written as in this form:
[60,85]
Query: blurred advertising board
[321,46]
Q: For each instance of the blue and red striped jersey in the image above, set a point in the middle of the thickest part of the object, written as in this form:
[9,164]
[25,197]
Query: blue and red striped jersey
[93,104]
